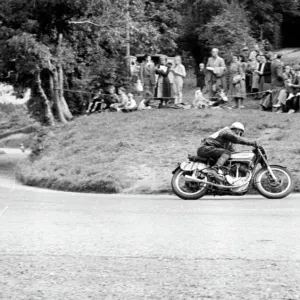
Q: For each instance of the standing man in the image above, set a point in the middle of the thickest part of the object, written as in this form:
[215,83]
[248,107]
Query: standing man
[215,76]
[148,75]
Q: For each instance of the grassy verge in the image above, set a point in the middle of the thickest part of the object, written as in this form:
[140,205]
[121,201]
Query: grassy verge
[16,126]
[136,152]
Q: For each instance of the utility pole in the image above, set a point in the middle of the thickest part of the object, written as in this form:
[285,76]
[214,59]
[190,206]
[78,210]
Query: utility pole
[128,38]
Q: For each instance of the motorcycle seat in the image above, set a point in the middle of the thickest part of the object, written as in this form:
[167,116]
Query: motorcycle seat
[197,159]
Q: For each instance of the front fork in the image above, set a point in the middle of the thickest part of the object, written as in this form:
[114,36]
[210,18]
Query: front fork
[268,167]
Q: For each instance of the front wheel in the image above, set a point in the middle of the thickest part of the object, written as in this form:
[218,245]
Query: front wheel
[185,189]
[272,189]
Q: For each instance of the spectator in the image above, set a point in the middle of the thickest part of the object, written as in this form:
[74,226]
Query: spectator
[96,102]
[147,75]
[293,101]
[265,75]
[288,98]
[245,54]
[215,76]
[122,100]
[110,97]
[163,88]
[253,54]
[201,74]
[130,105]
[145,103]
[277,78]
[179,74]
[278,83]
[171,80]
[256,65]
[237,82]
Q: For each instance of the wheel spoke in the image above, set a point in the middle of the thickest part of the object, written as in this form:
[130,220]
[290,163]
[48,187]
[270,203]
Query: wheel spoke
[275,186]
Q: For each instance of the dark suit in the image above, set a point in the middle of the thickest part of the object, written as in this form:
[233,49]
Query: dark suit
[265,78]
[148,77]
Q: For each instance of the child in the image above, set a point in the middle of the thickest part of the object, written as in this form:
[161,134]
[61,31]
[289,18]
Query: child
[130,105]
[110,98]
[145,103]
[96,102]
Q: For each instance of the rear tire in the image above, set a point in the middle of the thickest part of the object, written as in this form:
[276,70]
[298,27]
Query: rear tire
[185,195]
[268,194]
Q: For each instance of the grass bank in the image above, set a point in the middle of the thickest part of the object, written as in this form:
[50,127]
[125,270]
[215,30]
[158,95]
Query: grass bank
[136,152]
[16,126]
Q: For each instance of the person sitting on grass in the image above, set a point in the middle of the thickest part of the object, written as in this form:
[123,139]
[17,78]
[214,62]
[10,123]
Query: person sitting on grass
[96,102]
[130,105]
[110,98]
[293,101]
[123,99]
[145,103]
[288,92]
[200,101]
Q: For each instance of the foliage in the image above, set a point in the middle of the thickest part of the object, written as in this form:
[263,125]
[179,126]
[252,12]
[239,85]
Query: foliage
[229,31]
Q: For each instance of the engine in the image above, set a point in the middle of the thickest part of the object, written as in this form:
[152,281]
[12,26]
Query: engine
[239,174]
[238,170]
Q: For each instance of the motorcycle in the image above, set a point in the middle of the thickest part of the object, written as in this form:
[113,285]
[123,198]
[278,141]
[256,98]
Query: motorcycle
[245,169]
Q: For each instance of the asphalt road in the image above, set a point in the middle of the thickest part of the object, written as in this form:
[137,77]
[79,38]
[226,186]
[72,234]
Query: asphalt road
[57,245]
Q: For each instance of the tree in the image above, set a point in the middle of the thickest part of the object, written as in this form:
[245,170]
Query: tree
[228,31]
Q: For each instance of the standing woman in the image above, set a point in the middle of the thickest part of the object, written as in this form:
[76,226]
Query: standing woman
[163,88]
[201,73]
[237,82]
[179,74]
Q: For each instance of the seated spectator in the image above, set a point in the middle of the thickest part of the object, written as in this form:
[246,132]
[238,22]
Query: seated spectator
[130,105]
[200,101]
[123,99]
[145,103]
[110,97]
[96,102]
[292,104]
[285,93]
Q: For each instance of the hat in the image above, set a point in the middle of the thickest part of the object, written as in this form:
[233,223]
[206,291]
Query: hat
[245,49]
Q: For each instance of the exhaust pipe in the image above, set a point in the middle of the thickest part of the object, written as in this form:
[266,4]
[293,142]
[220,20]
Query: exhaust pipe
[190,178]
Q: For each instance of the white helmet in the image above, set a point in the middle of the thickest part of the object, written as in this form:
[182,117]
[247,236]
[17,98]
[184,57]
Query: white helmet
[237,125]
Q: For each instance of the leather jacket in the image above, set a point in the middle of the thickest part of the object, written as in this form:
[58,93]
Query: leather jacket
[225,138]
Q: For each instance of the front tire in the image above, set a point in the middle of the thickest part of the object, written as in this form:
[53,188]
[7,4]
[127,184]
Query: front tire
[185,193]
[271,190]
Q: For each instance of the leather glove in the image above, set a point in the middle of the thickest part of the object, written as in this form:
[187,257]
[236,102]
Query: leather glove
[254,144]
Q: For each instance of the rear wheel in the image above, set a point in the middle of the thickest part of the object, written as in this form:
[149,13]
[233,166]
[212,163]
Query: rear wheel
[272,189]
[186,189]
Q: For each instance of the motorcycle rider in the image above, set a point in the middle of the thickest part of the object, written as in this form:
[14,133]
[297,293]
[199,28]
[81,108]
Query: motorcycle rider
[220,146]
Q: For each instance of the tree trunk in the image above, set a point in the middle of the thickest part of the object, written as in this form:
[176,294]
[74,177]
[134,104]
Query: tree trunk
[65,109]
[48,112]
[58,104]
[62,104]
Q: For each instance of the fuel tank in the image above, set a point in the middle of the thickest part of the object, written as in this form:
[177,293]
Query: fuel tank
[245,156]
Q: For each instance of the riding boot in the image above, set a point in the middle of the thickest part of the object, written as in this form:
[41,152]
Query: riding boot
[214,170]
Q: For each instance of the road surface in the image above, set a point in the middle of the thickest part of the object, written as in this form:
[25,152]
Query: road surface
[56,245]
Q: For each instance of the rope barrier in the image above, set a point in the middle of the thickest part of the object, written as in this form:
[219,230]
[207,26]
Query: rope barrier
[162,98]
